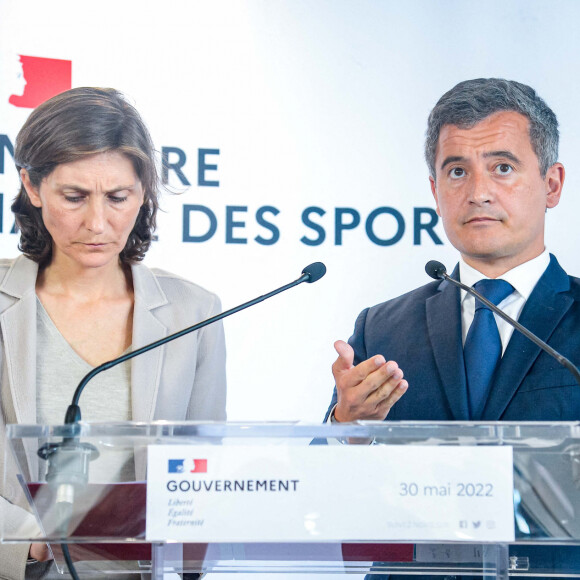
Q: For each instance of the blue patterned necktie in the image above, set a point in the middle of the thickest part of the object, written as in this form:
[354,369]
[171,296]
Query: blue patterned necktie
[482,349]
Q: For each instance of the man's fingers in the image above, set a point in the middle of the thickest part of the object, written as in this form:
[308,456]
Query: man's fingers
[370,374]
[388,393]
[346,375]
[367,390]
[359,399]
[345,356]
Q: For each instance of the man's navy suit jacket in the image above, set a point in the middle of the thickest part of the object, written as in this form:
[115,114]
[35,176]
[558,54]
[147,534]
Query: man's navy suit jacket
[421,331]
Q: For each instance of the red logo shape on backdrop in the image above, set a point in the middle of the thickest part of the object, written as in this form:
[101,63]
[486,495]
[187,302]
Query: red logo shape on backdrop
[45,78]
[199,466]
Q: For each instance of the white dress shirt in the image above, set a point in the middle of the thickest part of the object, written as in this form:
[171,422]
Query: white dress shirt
[523,278]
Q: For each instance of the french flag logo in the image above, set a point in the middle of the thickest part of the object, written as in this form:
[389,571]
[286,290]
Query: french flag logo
[199,466]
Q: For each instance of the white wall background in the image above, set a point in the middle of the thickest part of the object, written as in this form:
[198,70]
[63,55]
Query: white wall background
[311,103]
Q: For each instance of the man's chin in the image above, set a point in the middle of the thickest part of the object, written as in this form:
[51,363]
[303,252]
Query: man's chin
[482,251]
[491,256]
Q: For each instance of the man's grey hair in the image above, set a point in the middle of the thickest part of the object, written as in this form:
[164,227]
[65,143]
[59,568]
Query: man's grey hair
[469,102]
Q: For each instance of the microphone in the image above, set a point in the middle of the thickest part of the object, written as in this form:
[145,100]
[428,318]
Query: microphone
[314,272]
[435,269]
[438,271]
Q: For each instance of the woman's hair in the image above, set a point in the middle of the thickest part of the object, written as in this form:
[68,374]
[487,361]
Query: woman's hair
[71,126]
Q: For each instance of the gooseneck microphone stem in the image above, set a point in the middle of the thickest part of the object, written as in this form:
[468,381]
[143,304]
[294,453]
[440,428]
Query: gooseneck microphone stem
[69,562]
[438,271]
[310,274]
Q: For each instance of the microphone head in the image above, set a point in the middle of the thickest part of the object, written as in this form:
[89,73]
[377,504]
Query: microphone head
[435,269]
[314,272]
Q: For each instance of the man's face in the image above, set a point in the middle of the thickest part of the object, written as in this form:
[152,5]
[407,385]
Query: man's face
[490,194]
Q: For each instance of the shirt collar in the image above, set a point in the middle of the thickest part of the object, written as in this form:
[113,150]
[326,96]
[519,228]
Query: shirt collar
[523,277]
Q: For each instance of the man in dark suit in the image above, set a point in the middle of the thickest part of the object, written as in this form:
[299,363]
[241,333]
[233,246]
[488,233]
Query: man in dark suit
[492,148]
[492,152]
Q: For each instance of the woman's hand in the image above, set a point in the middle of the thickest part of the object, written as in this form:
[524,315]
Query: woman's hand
[39,552]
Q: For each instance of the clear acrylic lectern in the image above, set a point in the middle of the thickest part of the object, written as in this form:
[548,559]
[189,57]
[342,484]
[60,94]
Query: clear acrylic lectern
[104,517]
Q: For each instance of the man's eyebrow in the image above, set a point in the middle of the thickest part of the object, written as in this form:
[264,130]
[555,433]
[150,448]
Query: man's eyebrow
[507,154]
[451,159]
[502,153]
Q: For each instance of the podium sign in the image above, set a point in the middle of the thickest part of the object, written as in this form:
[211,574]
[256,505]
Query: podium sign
[329,493]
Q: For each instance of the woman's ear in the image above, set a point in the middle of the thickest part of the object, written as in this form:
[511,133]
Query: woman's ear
[30,189]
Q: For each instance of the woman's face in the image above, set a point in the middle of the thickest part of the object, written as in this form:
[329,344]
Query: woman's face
[89,208]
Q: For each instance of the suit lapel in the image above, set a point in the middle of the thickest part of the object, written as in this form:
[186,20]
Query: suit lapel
[541,314]
[443,311]
[146,368]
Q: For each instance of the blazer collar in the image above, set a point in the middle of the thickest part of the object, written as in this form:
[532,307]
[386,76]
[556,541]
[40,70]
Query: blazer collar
[543,311]
[443,311]
[147,328]
[20,279]
[146,287]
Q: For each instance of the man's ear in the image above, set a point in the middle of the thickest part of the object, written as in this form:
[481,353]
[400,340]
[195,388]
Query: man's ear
[554,182]
[434,192]
[30,189]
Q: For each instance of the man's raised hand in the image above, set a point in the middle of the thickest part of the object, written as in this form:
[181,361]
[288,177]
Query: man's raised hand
[367,390]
